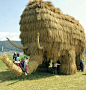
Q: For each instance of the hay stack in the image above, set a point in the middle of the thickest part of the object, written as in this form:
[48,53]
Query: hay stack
[58,33]
[34,62]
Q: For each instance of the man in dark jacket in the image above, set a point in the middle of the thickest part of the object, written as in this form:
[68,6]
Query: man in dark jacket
[81,65]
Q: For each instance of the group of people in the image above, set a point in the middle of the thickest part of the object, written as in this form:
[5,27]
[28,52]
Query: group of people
[57,64]
[24,60]
[22,63]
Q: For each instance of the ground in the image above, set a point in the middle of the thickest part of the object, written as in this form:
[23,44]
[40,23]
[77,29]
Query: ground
[41,80]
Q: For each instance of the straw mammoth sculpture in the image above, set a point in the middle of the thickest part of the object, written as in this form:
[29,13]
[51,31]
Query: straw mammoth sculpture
[47,33]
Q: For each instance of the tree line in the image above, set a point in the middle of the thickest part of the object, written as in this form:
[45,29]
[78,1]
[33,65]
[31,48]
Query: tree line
[7,46]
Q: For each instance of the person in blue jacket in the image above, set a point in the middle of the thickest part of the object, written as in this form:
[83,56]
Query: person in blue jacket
[82,65]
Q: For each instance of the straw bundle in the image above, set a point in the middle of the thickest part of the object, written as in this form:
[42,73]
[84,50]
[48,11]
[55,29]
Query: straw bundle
[14,68]
[68,67]
[34,61]
[59,34]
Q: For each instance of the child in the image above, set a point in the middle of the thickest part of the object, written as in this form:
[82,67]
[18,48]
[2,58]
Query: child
[26,61]
[55,67]
[23,65]
[17,60]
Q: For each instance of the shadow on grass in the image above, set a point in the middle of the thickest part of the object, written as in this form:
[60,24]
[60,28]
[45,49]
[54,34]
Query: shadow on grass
[83,74]
[8,76]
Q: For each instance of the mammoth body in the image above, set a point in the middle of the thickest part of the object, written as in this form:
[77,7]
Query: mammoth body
[60,37]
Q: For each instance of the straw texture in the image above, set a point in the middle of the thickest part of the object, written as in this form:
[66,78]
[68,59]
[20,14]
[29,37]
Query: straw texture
[14,68]
[61,36]
[58,33]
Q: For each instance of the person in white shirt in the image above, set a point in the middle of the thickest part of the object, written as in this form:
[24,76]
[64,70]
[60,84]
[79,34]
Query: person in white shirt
[26,62]
[55,67]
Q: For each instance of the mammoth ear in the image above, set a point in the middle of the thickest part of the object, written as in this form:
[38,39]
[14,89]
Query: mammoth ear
[38,45]
[16,45]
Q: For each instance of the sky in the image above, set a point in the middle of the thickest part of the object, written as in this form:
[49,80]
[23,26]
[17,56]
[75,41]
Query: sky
[11,10]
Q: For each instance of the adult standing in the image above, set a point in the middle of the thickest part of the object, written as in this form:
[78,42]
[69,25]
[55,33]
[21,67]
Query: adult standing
[82,65]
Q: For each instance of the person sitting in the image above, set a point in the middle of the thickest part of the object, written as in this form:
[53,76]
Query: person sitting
[23,66]
[17,60]
[26,61]
[14,57]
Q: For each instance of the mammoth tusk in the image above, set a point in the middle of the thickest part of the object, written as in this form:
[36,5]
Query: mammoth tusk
[16,45]
[14,68]
[38,45]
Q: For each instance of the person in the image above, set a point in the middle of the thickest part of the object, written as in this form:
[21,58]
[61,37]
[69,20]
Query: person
[14,57]
[22,62]
[23,65]
[26,59]
[17,60]
[26,62]
[82,65]
[55,67]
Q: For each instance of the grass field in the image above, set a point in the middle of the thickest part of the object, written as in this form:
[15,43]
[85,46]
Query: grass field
[40,80]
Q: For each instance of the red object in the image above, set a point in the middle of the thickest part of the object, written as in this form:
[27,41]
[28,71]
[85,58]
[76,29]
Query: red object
[18,64]
[26,67]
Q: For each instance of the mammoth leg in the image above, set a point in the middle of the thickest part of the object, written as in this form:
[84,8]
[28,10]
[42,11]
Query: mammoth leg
[34,62]
[78,61]
[14,68]
[68,64]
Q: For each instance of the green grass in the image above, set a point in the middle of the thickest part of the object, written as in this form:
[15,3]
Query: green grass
[40,80]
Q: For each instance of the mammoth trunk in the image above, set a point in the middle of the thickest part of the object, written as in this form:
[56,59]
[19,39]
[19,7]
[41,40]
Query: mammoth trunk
[34,62]
[14,68]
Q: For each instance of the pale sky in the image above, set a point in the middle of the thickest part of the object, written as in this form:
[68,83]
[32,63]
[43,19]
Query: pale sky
[11,10]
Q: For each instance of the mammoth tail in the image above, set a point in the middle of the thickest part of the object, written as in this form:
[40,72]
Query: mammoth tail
[14,68]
